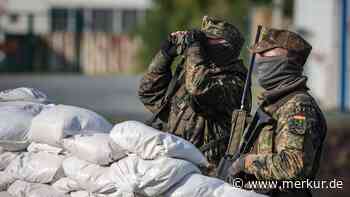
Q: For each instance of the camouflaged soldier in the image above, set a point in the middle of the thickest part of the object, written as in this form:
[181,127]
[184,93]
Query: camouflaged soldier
[290,147]
[208,88]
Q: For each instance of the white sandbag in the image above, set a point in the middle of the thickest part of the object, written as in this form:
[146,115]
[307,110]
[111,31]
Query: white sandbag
[150,143]
[15,122]
[55,123]
[6,158]
[36,167]
[5,180]
[38,147]
[25,189]
[86,194]
[66,185]
[89,194]
[5,194]
[197,185]
[149,177]
[95,148]
[90,177]
[23,94]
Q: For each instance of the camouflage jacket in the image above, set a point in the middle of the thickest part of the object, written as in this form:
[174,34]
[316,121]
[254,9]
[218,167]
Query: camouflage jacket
[290,148]
[207,94]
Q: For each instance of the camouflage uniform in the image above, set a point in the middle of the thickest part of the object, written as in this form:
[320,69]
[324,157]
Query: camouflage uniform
[290,148]
[206,95]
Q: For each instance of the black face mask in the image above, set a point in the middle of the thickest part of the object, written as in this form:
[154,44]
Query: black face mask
[277,71]
[221,54]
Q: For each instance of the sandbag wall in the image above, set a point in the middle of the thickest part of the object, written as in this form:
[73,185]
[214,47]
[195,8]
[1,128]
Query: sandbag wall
[54,150]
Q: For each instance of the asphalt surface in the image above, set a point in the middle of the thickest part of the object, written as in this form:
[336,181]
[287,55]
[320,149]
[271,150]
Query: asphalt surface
[112,96]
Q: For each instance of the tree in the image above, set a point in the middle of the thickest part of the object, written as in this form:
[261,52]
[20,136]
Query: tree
[175,15]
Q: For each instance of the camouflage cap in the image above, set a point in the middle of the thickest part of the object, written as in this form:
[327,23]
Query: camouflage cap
[297,47]
[217,28]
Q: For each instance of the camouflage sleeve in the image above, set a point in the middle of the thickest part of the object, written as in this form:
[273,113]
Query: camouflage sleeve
[296,140]
[154,83]
[206,91]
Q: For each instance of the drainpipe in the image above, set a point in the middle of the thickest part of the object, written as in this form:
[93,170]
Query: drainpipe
[343,54]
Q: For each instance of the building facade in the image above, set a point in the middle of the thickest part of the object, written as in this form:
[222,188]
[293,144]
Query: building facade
[81,35]
[321,24]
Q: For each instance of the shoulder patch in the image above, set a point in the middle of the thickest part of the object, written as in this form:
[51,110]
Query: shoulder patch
[297,123]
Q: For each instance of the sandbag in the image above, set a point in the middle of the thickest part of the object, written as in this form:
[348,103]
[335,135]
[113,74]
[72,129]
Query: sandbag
[85,194]
[6,158]
[149,177]
[15,122]
[150,143]
[89,194]
[90,177]
[38,147]
[23,94]
[197,185]
[66,185]
[60,121]
[5,194]
[25,189]
[5,180]
[95,148]
[36,167]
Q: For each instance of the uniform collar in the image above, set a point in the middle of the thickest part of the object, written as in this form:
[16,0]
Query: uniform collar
[271,96]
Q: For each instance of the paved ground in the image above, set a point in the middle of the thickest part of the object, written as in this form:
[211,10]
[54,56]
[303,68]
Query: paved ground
[113,96]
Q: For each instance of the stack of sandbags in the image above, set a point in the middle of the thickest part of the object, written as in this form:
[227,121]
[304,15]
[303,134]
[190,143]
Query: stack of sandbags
[28,171]
[31,139]
[53,150]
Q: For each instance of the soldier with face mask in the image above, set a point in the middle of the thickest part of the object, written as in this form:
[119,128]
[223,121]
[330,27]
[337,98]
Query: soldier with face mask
[207,89]
[289,147]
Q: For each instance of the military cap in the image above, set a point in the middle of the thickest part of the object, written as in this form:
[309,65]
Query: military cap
[217,28]
[297,47]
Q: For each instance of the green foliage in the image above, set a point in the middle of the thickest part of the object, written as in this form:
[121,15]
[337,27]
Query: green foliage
[262,2]
[288,8]
[177,15]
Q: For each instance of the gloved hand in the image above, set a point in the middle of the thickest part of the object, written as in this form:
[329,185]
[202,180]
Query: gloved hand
[168,49]
[237,167]
[195,35]
[181,40]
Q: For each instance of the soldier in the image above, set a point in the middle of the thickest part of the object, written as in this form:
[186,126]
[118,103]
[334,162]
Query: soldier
[208,89]
[288,148]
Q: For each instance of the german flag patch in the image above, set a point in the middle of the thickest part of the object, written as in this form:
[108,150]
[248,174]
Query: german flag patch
[297,123]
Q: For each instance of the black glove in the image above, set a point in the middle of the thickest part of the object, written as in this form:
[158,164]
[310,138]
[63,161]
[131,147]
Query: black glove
[168,49]
[195,35]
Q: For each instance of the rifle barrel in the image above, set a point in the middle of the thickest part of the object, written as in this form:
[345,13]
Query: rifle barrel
[248,81]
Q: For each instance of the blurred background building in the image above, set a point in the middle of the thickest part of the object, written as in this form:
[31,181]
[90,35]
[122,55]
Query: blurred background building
[69,35]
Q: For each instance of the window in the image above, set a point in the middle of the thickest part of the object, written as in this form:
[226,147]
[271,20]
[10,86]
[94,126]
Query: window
[13,18]
[129,20]
[102,20]
[59,19]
